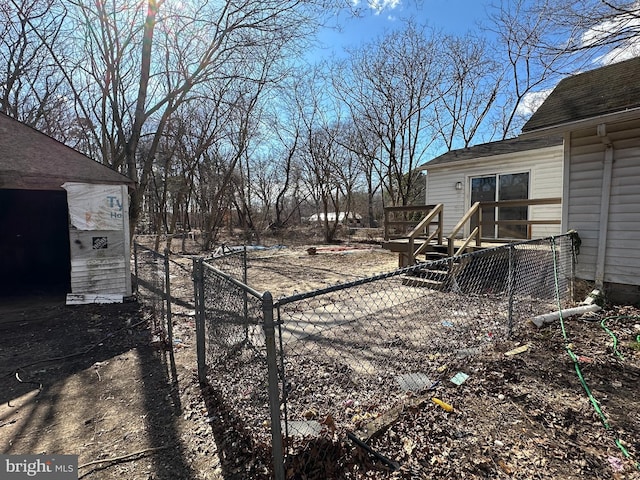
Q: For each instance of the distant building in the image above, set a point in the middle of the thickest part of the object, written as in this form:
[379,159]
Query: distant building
[352,218]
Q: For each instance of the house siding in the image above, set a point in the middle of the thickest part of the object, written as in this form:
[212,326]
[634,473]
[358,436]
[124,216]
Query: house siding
[622,255]
[544,166]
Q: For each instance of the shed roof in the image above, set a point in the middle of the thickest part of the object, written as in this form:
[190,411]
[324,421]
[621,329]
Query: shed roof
[31,160]
[484,150]
[606,90]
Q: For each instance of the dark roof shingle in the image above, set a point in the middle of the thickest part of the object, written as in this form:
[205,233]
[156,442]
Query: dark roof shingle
[31,160]
[491,149]
[610,89]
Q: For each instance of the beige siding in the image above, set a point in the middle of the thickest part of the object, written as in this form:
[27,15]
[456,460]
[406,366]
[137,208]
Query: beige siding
[623,244]
[622,256]
[441,189]
[585,186]
[544,166]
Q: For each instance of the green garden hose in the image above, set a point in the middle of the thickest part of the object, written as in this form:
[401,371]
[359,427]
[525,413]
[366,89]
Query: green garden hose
[576,362]
[612,335]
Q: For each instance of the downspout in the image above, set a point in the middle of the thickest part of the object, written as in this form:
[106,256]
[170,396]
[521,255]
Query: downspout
[605,200]
[566,182]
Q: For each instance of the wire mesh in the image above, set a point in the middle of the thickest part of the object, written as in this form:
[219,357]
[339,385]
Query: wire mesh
[230,260]
[236,357]
[150,287]
[233,317]
[354,352]
[351,355]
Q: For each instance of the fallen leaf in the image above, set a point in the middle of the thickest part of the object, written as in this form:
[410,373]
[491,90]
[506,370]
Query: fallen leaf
[504,467]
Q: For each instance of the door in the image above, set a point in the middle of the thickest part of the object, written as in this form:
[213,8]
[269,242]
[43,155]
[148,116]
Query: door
[513,187]
[499,187]
[34,242]
[484,189]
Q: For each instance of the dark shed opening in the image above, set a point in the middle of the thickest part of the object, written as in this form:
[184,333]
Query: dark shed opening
[34,242]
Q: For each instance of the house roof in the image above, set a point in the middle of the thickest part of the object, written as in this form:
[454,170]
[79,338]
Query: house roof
[31,160]
[484,150]
[610,89]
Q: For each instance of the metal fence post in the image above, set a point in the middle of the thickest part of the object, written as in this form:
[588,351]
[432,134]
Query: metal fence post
[198,294]
[572,270]
[274,391]
[510,289]
[167,292]
[135,264]
[246,299]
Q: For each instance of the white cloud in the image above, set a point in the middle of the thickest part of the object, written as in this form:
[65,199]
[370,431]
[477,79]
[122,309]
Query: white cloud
[629,49]
[532,101]
[378,6]
[625,52]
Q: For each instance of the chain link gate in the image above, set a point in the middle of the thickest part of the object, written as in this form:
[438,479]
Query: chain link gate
[153,288]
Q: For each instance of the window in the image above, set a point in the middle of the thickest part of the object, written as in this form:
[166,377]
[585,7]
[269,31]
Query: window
[499,187]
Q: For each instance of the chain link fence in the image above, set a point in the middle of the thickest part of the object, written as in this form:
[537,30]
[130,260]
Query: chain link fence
[306,375]
[237,362]
[152,285]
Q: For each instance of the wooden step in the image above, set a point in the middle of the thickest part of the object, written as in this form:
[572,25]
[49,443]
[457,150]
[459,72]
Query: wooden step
[434,256]
[412,281]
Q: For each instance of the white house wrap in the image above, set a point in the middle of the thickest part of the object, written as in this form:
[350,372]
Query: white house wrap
[99,242]
[95,207]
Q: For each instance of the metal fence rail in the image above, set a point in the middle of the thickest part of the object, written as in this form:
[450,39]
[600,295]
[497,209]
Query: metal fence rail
[348,354]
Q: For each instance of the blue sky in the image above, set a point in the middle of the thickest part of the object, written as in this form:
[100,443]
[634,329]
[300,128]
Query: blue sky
[379,16]
[450,16]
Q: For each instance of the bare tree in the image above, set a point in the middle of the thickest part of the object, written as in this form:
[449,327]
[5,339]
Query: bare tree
[321,179]
[468,90]
[32,89]
[360,142]
[392,85]
[231,146]
[329,169]
[286,150]
[528,68]
[132,65]
[288,180]
[602,30]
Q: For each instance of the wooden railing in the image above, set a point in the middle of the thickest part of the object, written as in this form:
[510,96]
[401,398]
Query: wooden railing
[399,220]
[417,220]
[422,230]
[476,211]
[474,235]
[420,220]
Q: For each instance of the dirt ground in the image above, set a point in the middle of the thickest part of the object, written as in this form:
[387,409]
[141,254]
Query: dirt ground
[91,380]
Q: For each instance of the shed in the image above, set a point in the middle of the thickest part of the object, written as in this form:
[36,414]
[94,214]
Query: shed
[504,170]
[598,114]
[64,224]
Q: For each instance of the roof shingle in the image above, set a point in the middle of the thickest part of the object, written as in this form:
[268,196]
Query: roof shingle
[491,149]
[610,89]
[31,160]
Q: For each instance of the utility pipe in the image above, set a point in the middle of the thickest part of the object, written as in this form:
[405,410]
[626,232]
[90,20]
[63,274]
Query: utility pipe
[568,312]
